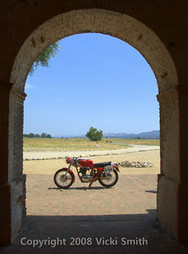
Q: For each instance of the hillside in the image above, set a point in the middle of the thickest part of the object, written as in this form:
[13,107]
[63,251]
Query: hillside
[143,135]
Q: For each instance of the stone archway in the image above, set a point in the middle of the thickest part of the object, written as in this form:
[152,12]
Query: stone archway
[112,23]
[150,46]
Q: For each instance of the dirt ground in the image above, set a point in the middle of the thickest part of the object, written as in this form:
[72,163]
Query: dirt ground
[51,166]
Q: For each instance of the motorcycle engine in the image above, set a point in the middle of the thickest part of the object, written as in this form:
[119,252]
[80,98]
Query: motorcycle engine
[84,177]
[83,171]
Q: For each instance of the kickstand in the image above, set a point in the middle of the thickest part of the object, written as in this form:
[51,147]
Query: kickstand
[89,187]
[92,181]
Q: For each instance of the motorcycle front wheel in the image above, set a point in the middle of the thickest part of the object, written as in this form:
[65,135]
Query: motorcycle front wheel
[108,180]
[63,180]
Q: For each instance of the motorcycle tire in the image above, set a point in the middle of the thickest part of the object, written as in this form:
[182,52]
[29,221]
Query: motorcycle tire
[113,183]
[70,176]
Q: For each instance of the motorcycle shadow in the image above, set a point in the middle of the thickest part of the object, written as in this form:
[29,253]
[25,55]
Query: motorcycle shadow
[78,188]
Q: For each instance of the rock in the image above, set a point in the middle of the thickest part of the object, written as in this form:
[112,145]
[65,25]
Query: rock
[135,164]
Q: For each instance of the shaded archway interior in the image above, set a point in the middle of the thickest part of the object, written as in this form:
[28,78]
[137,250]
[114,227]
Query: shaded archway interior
[120,26]
[172,186]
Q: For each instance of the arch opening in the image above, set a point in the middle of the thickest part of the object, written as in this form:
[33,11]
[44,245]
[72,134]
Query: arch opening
[106,95]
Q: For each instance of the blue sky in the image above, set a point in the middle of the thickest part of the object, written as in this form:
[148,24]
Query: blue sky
[96,80]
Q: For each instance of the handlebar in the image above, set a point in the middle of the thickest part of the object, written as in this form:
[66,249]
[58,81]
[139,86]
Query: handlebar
[70,160]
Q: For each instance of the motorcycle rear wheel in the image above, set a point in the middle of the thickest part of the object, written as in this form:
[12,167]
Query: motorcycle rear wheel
[107,183]
[62,181]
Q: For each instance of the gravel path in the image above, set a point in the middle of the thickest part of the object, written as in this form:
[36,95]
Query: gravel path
[44,155]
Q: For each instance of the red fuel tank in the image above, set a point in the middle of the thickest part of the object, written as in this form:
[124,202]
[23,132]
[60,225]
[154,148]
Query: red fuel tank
[85,163]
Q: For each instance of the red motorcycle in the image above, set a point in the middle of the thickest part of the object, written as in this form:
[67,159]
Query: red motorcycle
[105,172]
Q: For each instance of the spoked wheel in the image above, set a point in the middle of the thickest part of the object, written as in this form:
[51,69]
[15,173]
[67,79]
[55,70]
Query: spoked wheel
[108,180]
[63,179]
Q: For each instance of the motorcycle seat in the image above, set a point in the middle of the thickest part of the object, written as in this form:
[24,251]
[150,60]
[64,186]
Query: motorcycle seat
[101,164]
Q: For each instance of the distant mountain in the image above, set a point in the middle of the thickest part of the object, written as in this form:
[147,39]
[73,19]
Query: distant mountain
[142,135]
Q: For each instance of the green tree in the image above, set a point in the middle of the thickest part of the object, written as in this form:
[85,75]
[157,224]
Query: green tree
[44,57]
[49,136]
[94,134]
[31,135]
[43,135]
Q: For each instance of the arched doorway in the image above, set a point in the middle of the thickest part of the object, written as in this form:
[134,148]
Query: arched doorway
[150,46]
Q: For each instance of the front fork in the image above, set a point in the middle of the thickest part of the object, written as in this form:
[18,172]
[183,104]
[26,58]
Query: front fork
[69,170]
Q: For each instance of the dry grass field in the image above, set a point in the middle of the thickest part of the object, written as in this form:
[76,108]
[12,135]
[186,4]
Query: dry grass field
[81,144]
[51,166]
[84,144]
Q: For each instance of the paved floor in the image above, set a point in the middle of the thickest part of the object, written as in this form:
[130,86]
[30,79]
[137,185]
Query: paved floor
[78,220]
[132,195]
